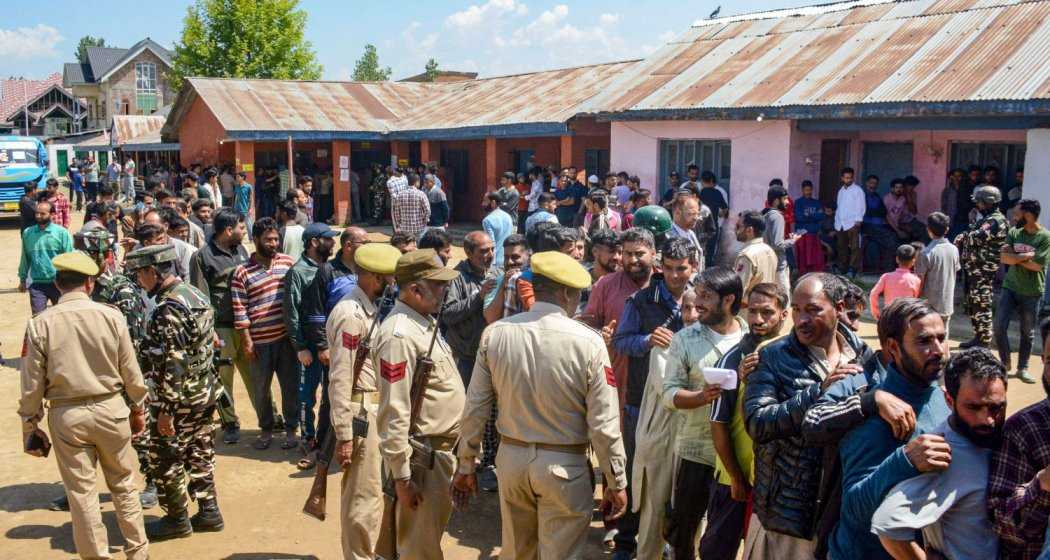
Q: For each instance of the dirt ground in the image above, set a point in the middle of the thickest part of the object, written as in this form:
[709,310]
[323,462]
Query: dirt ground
[261,493]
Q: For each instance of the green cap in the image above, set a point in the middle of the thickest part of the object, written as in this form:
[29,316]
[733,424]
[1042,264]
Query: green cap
[653,218]
[422,264]
[149,256]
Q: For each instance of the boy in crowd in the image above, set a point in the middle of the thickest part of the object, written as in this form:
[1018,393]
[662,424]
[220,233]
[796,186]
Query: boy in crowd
[937,266]
[897,284]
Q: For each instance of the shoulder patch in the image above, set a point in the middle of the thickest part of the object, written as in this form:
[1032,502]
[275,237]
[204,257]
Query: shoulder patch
[351,341]
[392,373]
[610,377]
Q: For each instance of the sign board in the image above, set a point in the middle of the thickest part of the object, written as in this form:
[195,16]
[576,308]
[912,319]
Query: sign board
[402,163]
[322,153]
[366,145]
[344,162]
[248,167]
[344,175]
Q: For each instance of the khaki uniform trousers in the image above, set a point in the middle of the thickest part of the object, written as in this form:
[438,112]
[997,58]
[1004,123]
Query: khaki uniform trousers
[761,544]
[84,437]
[546,501]
[419,532]
[361,498]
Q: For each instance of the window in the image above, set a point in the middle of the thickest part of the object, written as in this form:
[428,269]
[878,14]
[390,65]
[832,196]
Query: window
[708,155]
[145,87]
[1007,157]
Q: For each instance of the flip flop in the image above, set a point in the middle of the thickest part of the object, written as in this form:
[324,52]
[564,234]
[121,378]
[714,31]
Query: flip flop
[263,442]
[306,463]
[290,442]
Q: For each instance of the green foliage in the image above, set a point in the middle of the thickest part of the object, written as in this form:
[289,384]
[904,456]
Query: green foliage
[245,39]
[367,69]
[85,42]
[431,72]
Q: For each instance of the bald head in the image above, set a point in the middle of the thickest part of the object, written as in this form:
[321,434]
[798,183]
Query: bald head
[353,235]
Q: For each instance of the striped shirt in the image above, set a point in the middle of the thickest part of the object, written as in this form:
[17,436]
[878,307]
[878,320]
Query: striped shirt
[257,294]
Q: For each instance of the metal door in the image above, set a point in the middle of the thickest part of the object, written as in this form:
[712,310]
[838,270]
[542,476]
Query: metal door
[888,160]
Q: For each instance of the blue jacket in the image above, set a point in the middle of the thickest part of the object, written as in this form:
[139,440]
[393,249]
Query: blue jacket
[809,214]
[873,462]
[651,307]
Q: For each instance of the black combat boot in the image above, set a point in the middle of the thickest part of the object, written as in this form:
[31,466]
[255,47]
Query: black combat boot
[208,519]
[971,343]
[174,525]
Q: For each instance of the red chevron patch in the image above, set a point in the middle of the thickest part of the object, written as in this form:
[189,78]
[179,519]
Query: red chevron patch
[392,372]
[609,377]
[351,341]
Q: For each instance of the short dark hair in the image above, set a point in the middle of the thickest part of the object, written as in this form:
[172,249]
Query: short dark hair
[906,253]
[494,196]
[175,221]
[546,198]
[162,194]
[775,192]
[939,223]
[225,218]
[708,177]
[95,209]
[289,208]
[896,181]
[1029,205]
[242,175]
[876,177]
[911,181]
[437,238]
[145,232]
[846,170]
[202,202]
[753,219]
[534,236]
[514,240]
[725,282]
[553,239]
[854,295]
[105,190]
[776,292]
[676,249]
[640,195]
[305,179]
[263,225]
[606,238]
[413,178]
[976,363]
[692,166]
[776,182]
[400,239]
[639,235]
[67,279]
[896,317]
[807,183]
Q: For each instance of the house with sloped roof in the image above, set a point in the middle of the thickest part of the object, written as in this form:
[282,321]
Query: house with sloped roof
[116,81]
[39,107]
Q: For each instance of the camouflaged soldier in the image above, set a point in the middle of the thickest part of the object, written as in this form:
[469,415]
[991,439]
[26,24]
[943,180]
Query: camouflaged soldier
[115,288]
[379,195]
[979,248]
[177,354]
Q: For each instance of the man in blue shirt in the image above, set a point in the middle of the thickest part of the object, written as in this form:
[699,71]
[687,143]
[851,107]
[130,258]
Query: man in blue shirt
[244,197]
[546,206]
[873,457]
[498,224]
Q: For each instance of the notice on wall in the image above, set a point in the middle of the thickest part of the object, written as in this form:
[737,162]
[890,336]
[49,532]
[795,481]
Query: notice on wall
[344,175]
[248,167]
[322,153]
[402,163]
[344,162]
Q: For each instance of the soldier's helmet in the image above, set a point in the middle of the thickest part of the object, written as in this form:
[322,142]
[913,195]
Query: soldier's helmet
[653,218]
[987,194]
[149,256]
[94,241]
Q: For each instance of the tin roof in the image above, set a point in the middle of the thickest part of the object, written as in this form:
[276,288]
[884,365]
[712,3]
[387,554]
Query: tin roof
[124,128]
[917,51]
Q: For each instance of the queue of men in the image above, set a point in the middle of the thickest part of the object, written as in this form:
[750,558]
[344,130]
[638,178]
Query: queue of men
[715,428]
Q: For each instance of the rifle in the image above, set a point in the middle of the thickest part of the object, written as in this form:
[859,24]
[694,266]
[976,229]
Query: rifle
[422,458]
[317,501]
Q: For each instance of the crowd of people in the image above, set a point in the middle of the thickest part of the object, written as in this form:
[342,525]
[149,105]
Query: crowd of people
[673,363]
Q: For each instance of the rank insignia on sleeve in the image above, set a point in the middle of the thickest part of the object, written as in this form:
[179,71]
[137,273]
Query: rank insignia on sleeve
[609,377]
[392,372]
[351,341]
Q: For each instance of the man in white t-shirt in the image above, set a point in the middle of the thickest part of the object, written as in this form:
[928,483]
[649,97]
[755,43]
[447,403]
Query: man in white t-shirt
[849,213]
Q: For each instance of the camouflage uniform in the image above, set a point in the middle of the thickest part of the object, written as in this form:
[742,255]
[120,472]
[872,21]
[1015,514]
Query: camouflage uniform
[178,352]
[379,196]
[979,247]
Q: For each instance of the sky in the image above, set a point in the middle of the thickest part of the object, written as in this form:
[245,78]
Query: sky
[492,37]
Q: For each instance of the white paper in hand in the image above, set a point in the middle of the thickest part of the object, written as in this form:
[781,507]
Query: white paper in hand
[724,378]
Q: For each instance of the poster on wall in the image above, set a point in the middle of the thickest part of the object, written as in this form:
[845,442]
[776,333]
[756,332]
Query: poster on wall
[322,153]
[344,175]
[248,167]
[344,162]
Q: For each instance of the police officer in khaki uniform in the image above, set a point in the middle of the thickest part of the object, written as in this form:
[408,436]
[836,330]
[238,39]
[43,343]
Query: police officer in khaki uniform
[553,404]
[757,262]
[79,357]
[423,497]
[354,402]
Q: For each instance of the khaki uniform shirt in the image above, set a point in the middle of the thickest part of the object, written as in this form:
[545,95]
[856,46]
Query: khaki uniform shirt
[755,264]
[347,330]
[564,395]
[404,336]
[78,349]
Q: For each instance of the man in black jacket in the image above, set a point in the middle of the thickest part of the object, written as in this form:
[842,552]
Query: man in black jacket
[792,374]
[334,279]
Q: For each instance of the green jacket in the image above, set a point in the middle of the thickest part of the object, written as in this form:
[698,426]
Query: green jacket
[298,279]
[39,246]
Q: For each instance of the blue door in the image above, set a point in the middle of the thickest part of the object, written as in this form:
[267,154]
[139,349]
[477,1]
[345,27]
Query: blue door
[888,160]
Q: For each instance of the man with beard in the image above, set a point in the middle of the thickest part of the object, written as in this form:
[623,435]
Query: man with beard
[757,262]
[775,236]
[731,491]
[609,296]
[949,506]
[606,253]
[792,374]
[1026,252]
[718,295]
[649,320]
[318,242]
[333,281]
[210,271]
[40,244]
[873,458]
[1019,479]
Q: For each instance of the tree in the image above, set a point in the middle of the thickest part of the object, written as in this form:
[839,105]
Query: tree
[367,69]
[431,72]
[85,42]
[244,39]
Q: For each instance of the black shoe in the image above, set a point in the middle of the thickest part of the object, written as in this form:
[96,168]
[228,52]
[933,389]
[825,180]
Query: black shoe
[175,525]
[60,503]
[970,343]
[487,480]
[208,519]
[231,435]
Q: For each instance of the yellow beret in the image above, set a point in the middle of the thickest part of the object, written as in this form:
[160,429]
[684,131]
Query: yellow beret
[378,258]
[561,268]
[75,261]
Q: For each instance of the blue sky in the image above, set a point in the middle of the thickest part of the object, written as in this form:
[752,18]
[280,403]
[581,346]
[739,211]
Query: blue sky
[493,37]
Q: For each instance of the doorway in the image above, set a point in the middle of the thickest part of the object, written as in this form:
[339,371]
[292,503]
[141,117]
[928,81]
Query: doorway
[887,160]
[834,155]
[456,164]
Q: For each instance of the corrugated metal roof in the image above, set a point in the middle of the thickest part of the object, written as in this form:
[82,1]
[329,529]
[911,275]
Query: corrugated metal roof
[906,51]
[128,127]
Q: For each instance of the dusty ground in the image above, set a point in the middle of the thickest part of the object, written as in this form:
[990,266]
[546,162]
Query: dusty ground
[260,493]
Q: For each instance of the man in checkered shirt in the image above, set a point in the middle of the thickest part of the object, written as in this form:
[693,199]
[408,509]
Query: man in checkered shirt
[410,210]
[397,182]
